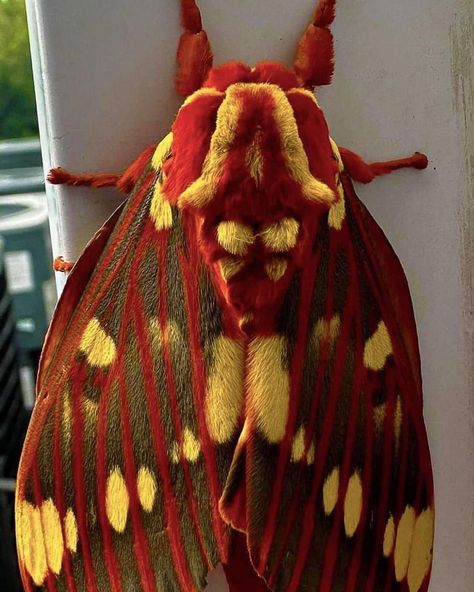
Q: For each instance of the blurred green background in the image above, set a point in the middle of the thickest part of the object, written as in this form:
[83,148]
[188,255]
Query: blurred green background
[17,99]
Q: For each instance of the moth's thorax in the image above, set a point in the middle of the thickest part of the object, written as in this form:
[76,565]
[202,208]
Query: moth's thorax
[254,167]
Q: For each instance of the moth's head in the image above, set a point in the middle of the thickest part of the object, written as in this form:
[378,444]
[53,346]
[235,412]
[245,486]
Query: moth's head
[252,165]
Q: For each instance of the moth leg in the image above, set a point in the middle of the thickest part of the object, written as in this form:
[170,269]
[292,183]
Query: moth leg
[365,172]
[60,264]
[124,182]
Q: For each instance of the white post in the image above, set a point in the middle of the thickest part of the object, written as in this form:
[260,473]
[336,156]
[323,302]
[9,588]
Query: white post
[104,74]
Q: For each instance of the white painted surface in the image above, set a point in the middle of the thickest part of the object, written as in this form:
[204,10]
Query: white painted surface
[104,76]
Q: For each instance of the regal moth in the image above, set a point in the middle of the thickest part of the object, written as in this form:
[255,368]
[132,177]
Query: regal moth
[232,373]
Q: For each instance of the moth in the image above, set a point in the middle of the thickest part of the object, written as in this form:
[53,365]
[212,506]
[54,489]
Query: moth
[232,373]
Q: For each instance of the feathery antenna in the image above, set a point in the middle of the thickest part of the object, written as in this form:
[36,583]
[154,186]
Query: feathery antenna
[194,51]
[314,63]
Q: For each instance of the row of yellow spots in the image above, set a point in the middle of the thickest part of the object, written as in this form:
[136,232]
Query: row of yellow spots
[352,502]
[117,499]
[41,542]
[410,543]
[236,238]
[412,546]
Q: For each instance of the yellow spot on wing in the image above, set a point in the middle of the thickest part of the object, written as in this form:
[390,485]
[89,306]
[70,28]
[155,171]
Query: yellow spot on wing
[327,330]
[398,420]
[389,537]
[311,454]
[98,347]
[174,453]
[353,504]
[331,491]
[146,487]
[191,446]
[162,151]
[117,500]
[160,209]
[403,543]
[269,385]
[421,550]
[378,348]
[276,268]
[31,547]
[70,531]
[53,535]
[235,237]
[297,450]
[225,388]
[281,236]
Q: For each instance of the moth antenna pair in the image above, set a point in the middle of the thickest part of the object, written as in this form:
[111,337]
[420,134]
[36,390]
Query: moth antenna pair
[314,62]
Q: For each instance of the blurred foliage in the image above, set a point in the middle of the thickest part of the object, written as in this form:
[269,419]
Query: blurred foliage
[17,98]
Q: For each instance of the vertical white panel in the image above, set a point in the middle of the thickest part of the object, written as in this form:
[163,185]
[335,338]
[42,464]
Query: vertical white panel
[104,78]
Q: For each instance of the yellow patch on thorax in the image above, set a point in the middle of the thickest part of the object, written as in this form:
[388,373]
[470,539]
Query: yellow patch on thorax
[98,347]
[230,266]
[235,237]
[254,158]
[280,236]
[276,268]
[378,348]
[203,189]
[117,500]
[225,388]
[268,385]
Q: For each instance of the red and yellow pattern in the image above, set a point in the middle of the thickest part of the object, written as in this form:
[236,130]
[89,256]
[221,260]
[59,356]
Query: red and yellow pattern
[232,374]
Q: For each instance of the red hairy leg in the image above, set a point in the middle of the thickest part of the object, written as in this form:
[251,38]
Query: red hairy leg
[365,172]
[59,264]
[123,182]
